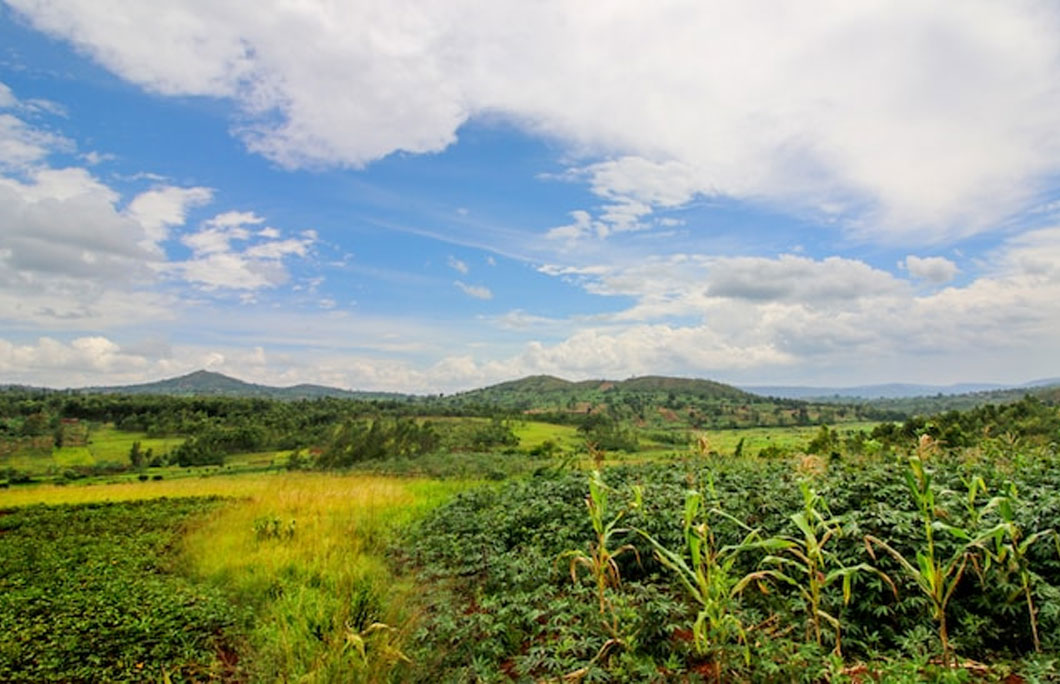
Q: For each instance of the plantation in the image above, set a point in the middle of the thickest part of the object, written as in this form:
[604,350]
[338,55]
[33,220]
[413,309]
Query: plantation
[749,570]
[87,593]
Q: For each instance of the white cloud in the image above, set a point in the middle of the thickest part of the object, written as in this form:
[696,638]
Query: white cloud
[232,271]
[911,121]
[165,207]
[457,265]
[935,270]
[217,265]
[71,259]
[582,227]
[814,320]
[22,145]
[236,219]
[94,158]
[7,98]
[517,319]
[277,249]
[476,291]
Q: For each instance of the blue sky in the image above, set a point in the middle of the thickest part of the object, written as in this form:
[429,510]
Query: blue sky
[434,197]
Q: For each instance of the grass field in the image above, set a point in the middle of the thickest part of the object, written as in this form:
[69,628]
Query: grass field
[533,434]
[105,445]
[756,439]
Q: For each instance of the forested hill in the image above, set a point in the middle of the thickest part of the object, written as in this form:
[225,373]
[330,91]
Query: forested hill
[545,392]
[207,383]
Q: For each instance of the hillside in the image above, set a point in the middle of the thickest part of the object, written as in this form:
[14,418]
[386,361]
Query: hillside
[546,391]
[208,383]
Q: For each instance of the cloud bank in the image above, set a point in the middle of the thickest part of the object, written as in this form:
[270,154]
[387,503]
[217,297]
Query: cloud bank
[906,121]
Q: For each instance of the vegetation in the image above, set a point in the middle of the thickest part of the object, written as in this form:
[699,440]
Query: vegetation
[86,593]
[365,540]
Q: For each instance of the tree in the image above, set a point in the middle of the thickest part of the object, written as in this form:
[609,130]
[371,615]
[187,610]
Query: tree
[136,456]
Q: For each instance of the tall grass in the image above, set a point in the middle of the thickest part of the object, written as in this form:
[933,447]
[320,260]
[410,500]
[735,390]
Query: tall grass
[316,590]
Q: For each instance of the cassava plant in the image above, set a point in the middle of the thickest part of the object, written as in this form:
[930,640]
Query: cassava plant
[1010,547]
[807,563]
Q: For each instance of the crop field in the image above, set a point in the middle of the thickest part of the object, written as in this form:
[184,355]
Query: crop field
[86,594]
[750,570]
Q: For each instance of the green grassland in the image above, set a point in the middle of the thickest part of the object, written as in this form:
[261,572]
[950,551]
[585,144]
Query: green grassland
[104,445]
[534,434]
[276,582]
[788,438]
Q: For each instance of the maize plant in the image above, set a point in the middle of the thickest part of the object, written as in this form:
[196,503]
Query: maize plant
[707,571]
[600,561]
[935,576]
[807,564]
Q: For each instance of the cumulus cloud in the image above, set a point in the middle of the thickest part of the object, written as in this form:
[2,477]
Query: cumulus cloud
[22,145]
[165,207]
[87,355]
[256,263]
[935,270]
[71,257]
[827,319]
[907,120]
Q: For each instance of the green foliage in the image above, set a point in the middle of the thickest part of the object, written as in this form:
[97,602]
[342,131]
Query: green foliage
[359,440]
[935,573]
[85,595]
[198,452]
[499,606]
[708,571]
[807,563]
[608,434]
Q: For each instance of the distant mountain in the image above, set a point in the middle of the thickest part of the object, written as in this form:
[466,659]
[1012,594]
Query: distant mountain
[888,391]
[1045,382]
[207,383]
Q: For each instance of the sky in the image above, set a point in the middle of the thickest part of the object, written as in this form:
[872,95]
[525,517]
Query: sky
[438,195]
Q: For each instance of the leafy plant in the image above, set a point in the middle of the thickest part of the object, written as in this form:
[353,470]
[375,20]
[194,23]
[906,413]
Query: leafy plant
[600,561]
[707,571]
[934,574]
[1010,549]
[809,565]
